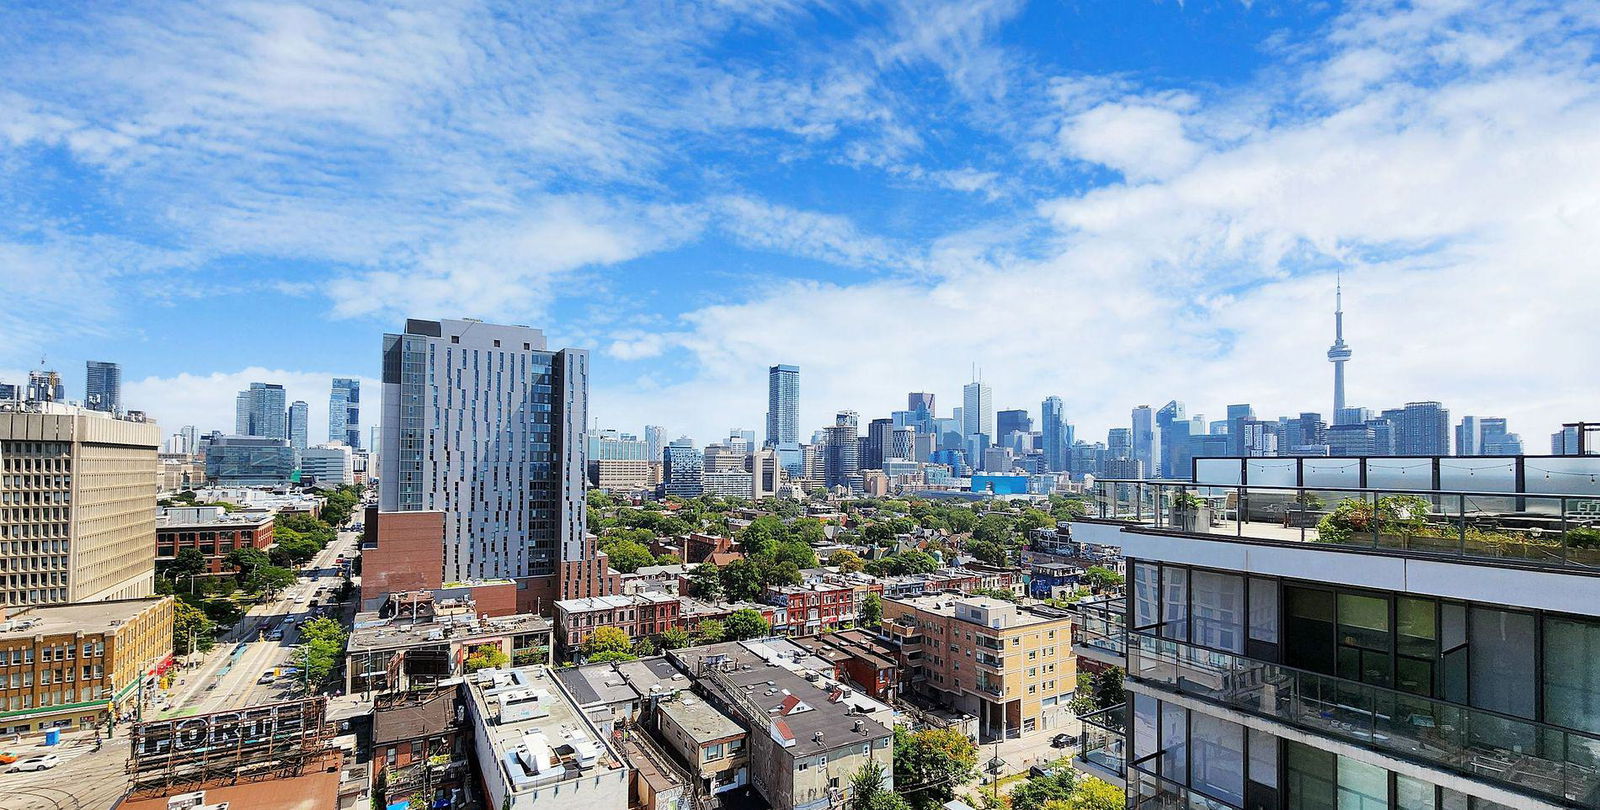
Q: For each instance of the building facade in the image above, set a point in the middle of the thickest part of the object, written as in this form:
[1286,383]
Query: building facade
[344,411]
[261,410]
[77,505]
[249,461]
[103,389]
[484,424]
[783,406]
[212,531]
[67,666]
[1430,657]
[330,463]
[682,468]
[299,425]
[1010,666]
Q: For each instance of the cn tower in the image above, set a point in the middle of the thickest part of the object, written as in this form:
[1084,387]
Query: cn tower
[1338,353]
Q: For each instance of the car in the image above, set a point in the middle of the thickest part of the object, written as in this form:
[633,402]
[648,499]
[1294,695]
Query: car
[6,757]
[43,762]
[1062,740]
[267,677]
[276,635]
[288,620]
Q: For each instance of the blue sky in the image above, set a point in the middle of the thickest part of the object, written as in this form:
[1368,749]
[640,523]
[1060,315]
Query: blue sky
[1115,202]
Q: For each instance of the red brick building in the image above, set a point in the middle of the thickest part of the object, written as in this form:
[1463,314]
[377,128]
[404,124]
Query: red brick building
[640,615]
[819,606]
[697,548]
[212,531]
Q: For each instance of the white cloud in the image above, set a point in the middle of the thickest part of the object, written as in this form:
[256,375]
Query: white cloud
[1456,194]
[207,400]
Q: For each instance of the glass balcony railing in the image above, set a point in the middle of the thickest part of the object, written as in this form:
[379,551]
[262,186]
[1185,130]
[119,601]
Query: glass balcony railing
[991,662]
[1102,625]
[1534,757]
[1146,791]
[1548,531]
[1103,738]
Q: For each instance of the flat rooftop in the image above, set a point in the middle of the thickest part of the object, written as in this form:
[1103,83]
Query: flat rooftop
[621,681]
[372,633]
[529,717]
[700,720]
[588,603]
[805,706]
[87,617]
[1017,615]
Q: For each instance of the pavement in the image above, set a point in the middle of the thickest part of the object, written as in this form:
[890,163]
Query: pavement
[86,779]
[230,674]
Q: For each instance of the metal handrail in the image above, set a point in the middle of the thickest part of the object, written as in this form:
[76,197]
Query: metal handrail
[1341,488]
[1417,727]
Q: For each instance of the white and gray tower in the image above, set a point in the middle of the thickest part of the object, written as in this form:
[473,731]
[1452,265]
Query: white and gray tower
[1338,353]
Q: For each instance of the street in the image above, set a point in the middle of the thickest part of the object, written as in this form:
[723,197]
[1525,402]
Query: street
[230,674]
[86,779]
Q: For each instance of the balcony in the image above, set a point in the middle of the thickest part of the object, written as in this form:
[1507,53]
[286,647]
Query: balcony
[1535,758]
[993,663]
[1146,791]
[1560,532]
[1101,631]
[998,690]
[1102,746]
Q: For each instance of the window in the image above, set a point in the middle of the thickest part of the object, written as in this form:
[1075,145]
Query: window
[1218,611]
[1175,603]
[1218,767]
[1572,673]
[1502,676]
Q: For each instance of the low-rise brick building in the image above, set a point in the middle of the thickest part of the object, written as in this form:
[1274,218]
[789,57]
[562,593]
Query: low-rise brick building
[212,531]
[640,615]
[71,665]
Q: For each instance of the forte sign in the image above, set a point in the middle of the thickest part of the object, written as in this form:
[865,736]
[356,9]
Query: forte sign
[235,738]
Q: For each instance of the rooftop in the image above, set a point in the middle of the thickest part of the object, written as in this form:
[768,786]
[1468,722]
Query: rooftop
[411,720]
[701,720]
[86,617]
[622,681]
[800,704]
[175,517]
[588,603]
[538,735]
[373,633]
[999,613]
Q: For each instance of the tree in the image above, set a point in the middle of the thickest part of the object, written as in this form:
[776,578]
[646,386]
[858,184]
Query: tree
[1034,519]
[600,499]
[762,533]
[611,655]
[643,648]
[746,623]
[268,580]
[808,531]
[668,559]
[993,528]
[627,556]
[1093,794]
[486,656]
[674,638]
[987,551]
[960,519]
[996,593]
[872,610]
[606,639]
[705,582]
[247,560]
[1101,579]
[879,533]
[709,631]
[867,793]
[321,650]
[187,563]
[798,553]
[742,580]
[932,763]
[1098,690]
[847,561]
[1054,785]
[189,623]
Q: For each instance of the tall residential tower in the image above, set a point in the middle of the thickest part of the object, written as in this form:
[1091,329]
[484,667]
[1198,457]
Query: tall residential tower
[344,411]
[103,387]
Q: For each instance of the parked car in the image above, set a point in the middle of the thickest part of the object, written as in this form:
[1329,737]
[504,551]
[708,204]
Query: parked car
[1062,740]
[6,757]
[267,677]
[43,762]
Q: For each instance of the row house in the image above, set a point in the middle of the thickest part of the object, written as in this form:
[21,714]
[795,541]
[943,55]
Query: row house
[640,615]
[822,605]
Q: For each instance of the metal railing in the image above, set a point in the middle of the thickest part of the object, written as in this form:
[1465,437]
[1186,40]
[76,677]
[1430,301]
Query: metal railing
[1147,791]
[1547,531]
[1534,757]
[1103,738]
[1102,625]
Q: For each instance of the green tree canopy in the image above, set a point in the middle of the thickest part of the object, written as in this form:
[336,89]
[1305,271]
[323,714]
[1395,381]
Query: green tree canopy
[932,763]
[847,561]
[189,623]
[746,623]
[872,610]
[486,656]
[269,580]
[709,631]
[321,649]
[705,581]
[188,562]
[605,639]
[1055,785]
[798,553]
[627,556]
[675,638]
[762,534]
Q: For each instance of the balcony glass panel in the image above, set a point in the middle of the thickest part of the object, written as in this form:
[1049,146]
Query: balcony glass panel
[1533,757]
[1540,530]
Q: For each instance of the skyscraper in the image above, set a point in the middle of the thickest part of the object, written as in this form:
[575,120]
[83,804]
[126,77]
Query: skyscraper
[483,450]
[1145,440]
[1012,420]
[260,410]
[880,443]
[103,390]
[1053,422]
[344,411]
[652,439]
[299,426]
[920,401]
[682,467]
[1338,353]
[45,386]
[843,459]
[783,406]
[1119,443]
[1496,440]
[1172,437]
[1237,415]
[977,409]
[1469,437]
